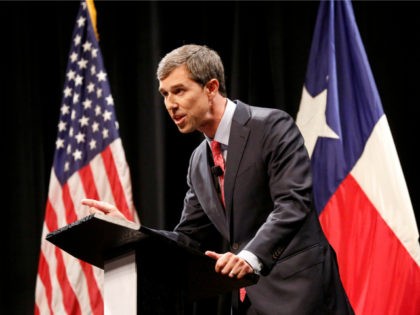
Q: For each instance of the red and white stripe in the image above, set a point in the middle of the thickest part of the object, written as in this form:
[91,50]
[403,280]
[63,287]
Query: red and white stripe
[66,285]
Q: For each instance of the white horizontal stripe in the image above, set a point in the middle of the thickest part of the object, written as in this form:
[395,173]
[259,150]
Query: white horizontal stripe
[380,175]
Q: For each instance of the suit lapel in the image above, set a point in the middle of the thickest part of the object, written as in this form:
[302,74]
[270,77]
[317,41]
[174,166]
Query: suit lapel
[205,188]
[237,140]
[203,179]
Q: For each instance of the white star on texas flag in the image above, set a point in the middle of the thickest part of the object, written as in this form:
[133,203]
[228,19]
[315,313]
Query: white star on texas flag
[311,119]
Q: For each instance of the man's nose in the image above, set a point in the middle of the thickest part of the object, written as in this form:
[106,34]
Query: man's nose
[171,103]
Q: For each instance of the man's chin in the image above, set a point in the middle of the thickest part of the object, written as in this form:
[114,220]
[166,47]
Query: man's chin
[185,129]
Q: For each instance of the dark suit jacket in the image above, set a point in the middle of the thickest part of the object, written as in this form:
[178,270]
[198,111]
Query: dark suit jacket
[268,212]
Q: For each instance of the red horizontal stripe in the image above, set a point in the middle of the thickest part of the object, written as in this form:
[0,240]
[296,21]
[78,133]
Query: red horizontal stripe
[51,220]
[70,214]
[88,182]
[378,273]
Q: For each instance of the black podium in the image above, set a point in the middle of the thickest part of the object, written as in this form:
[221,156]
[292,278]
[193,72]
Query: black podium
[157,272]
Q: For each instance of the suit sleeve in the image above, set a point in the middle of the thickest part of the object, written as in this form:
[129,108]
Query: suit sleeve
[287,165]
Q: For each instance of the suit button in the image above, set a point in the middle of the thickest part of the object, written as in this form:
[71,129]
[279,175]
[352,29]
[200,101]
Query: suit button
[235,246]
[277,253]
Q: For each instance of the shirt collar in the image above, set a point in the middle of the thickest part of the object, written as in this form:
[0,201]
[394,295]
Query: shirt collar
[223,130]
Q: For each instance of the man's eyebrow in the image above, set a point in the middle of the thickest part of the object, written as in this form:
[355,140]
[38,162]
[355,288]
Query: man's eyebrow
[176,86]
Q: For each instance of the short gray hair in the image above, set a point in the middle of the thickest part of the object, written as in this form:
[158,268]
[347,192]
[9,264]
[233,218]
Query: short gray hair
[202,63]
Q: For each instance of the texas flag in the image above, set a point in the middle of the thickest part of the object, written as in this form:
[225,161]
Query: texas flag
[359,187]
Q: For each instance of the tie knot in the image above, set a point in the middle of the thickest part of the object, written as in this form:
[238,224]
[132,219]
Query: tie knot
[216,151]
[215,147]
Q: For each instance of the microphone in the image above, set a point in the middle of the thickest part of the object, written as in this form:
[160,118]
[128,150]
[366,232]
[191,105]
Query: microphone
[217,170]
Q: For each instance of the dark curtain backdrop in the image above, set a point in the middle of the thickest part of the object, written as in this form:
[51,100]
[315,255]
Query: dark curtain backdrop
[265,48]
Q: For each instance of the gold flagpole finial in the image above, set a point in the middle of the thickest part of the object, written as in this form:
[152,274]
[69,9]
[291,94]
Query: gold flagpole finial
[92,13]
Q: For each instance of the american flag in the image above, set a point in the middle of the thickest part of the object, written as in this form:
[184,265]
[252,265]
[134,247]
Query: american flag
[359,187]
[89,162]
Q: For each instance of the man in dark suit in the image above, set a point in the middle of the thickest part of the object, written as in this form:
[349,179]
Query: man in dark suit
[263,211]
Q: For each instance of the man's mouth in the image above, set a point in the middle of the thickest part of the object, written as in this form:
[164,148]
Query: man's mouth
[178,119]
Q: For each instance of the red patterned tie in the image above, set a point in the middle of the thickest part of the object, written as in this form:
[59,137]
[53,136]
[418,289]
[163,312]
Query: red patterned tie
[242,294]
[219,161]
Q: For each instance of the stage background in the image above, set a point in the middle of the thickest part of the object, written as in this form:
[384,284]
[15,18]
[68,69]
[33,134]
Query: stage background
[265,47]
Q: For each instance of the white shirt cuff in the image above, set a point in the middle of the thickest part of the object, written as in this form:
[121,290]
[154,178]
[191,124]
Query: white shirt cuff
[252,260]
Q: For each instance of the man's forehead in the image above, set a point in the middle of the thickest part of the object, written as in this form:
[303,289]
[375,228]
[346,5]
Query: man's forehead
[178,77]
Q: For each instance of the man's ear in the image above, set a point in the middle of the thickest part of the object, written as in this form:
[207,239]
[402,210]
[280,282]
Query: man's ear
[212,87]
